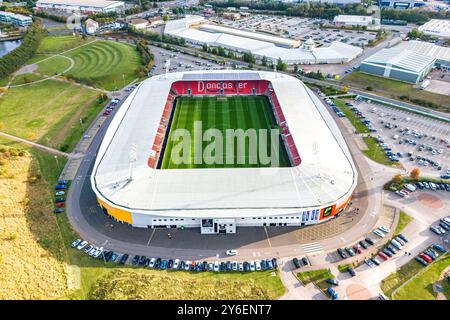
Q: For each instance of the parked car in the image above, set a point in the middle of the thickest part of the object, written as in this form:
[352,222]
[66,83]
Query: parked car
[436,230]
[216,266]
[421,261]
[403,237]
[439,247]
[135,260]
[426,257]
[350,251]
[75,243]
[163,264]
[391,248]
[383,255]
[396,244]
[123,259]
[363,244]
[333,294]
[351,271]
[369,263]
[305,261]
[333,281]
[231,252]
[235,266]
[370,241]
[296,263]
[384,229]
[387,252]
[376,260]
[82,245]
[379,233]
[152,263]
[187,265]
[342,253]
[400,240]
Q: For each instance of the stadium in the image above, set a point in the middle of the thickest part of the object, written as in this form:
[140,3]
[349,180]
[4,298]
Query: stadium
[217,150]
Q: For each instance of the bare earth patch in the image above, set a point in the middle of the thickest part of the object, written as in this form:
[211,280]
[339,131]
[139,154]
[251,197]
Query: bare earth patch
[430,201]
[32,260]
[29,68]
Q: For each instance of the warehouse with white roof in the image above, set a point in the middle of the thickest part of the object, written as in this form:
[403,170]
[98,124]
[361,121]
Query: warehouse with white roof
[436,27]
[399,64]
[195,29]
[84,6]
[308,192]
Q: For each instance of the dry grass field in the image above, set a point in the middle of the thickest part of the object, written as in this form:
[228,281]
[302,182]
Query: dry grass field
[32,255]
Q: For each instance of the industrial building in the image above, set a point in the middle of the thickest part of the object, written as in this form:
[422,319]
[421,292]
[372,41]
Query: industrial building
[441,54]
[196,30]
[401,4]
[437,28]
[17,20]
[356,21]
[399,64]
[83,6]
[132,187]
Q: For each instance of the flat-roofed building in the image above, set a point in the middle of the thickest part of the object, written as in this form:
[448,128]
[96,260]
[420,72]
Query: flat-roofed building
[84,6]
[350,20]
[19,20]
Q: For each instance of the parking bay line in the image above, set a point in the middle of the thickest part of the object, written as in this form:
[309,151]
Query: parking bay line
[151,237]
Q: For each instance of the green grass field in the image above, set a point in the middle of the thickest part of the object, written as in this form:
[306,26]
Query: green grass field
[222,114]
[45,111]
[318,277]
[105,64]
[54,65]
[396,89]
[57,44]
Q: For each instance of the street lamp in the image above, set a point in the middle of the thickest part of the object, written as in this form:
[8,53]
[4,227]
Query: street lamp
[57,163]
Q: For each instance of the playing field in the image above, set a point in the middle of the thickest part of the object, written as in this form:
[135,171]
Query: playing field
[223,114]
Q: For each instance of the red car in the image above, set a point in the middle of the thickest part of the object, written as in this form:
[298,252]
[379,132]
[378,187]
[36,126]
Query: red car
[106,113]
[383,256]
[426,257]
[357,249]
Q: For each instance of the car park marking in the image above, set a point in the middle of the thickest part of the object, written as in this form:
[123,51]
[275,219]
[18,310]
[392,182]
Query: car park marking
[151,237]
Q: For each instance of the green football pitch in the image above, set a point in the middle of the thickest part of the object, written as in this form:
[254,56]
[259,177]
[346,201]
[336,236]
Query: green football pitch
[223,114]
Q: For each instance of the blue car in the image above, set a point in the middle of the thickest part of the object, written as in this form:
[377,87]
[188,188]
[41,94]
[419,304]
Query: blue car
[421,261]
[263,265]
[333,294]
[274,262]
[269,264]
[439,247]
[163,264]
[59,210]
[401,236]
[60,187]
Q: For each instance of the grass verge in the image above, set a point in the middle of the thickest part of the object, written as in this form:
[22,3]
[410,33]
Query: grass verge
[318,277]
[403,221]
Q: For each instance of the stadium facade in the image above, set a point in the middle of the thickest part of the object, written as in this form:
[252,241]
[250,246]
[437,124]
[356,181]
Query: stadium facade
[133,187]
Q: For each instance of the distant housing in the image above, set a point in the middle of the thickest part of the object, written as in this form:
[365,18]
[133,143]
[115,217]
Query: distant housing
[15,19]
[84,6]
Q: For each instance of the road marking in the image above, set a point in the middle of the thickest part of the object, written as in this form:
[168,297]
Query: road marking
[267,235]
[343,240]
[151,237]
[312,247]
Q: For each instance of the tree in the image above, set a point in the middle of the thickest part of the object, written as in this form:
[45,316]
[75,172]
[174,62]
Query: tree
[397,178]
[415,173]
[264,61]
[205,47]
[165,18]
[281,66]
[295,68]
[344,89]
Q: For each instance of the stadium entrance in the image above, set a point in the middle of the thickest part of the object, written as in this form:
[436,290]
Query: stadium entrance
[218,226]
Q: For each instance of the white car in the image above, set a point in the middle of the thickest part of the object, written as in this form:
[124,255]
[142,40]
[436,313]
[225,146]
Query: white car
[152,263]
[188,265]
[82,245]
[410,187]
[91,251]
[369,263]
[258,266]
[378,233]
[75,243]
[231,252]
[216,266]
[252,266]
[176,264]
[241,266]
[98,253]
[384,229]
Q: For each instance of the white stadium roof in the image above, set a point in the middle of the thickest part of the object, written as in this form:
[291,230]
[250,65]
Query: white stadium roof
[401,58]
[337,52]
[81,3]
[436,27]
[326,174]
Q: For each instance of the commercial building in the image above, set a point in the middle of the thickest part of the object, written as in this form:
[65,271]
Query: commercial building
[132,187]
[83,6]
[356,21]
[18,20]
[139,24]
[437,28]
[90,26]
[401,4]
[399,64]
[196,30]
